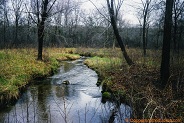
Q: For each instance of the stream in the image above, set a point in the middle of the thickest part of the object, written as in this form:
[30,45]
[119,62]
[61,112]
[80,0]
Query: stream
[51,101]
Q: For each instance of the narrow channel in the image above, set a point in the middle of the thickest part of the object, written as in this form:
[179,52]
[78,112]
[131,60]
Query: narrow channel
[51,101]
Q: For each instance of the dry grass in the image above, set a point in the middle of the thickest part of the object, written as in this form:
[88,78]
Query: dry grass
[19,66]
[136,86]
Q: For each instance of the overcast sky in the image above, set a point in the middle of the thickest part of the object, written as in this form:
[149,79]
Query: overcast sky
[128,8]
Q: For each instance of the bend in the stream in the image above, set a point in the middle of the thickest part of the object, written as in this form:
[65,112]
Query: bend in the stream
[54,102]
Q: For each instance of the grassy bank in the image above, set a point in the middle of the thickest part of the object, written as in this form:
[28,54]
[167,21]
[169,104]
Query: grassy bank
[19,66]
[137,85]
[134,85]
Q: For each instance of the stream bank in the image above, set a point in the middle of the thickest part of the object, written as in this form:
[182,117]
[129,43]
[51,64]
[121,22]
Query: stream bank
[52,101]
[19,68]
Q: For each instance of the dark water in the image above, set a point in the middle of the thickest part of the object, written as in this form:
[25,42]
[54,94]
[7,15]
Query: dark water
[50,101]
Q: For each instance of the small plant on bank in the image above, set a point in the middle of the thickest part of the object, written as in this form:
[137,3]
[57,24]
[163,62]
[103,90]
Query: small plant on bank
[106,95]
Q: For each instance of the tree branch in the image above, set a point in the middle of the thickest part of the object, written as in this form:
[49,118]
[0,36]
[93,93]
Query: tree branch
[99,11]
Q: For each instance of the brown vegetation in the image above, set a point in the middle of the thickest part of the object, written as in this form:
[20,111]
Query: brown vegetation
[138,86]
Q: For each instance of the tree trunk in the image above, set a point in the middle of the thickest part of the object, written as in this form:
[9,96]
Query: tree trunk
[157,37]
[140,35]
[28,30]
[41,27]
[4,33]
[165,63]
[144,36]
[180,39]
[175,30]
[147,32]
[120,42]
[144,29]
[116,31]
[16,31]
[40,40]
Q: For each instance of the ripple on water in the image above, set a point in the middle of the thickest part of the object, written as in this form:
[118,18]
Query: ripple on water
[50,100]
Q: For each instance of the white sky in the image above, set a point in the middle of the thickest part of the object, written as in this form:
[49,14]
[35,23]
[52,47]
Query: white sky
[128,8]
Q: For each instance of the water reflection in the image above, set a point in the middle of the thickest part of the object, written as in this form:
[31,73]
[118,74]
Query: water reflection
[67,66]
[43,92]
[50,101]
[62,91]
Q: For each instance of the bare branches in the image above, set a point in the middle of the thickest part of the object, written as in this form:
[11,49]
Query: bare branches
[17,8]
[99,11]
[38,11]
[119,4]
[114,7]
[51,6]
[178,8]
[30,14]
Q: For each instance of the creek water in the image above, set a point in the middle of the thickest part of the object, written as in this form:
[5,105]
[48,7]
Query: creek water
[50,101]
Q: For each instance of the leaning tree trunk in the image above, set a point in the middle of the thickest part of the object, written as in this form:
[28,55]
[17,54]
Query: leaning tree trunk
[165,63]
[120,42]
[116,31]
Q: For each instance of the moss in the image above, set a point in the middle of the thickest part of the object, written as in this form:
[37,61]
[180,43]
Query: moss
[106,95]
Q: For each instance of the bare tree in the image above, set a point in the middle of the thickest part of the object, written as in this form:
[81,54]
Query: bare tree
[158,22]
[113,12]
[2,3]
[4,20]
[145,18]
[42,10]
[17,9]
[42,15]
[1,7]
[68,9]
[165,63]
[178,9]
[59,8]
[68,18]
[144,15]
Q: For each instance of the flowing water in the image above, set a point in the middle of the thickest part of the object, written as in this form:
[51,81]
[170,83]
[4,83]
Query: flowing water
[51,101]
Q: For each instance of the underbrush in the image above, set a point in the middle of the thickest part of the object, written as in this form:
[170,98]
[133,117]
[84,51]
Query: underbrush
[138,85]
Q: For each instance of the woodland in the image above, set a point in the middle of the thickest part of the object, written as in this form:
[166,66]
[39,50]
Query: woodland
[141,65]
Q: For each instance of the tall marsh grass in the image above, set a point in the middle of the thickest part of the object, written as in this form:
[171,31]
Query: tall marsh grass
[19,66]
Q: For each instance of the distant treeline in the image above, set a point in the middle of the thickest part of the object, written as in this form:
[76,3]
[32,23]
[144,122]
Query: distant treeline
[80,36]
[67,24]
